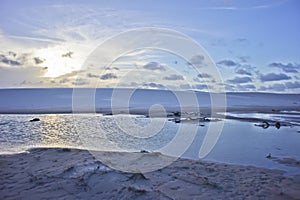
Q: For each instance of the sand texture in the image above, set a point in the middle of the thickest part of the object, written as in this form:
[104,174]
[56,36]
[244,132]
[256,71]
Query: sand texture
[76,174]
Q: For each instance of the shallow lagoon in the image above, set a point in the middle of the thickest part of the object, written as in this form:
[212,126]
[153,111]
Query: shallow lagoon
[240,142]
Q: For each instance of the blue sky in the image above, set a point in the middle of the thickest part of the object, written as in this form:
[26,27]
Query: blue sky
[255,44]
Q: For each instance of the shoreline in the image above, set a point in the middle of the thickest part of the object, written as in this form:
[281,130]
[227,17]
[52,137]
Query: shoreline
[72,173]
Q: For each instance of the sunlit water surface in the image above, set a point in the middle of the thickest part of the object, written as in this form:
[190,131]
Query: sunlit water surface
[239,143]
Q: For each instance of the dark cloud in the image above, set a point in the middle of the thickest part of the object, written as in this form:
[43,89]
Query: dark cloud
[108,76]
[8,61]
[274,77]
[242,41]
[228,63]
[185,86]
[37,60]
[280,87]
[68,54]
[26,82]
[11,53]
[90,75]
[80,82]
[173,77]
[204,75]
[292,85]
[229,87]
[237,80]
[132,84]
[201,87]
[65,80]
[196,60]
[244,59]
[154,85]
[242,71]
[288,68]
[197,79]
[154,66]
[112,68]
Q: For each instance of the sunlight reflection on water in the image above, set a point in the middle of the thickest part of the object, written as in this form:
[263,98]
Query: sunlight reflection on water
[240,142]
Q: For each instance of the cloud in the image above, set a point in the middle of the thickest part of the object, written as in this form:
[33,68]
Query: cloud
[11,53]
[68,54]
[154,86]
[242,41]
[240,80]
[185,86]
[65,80]
[229,87]
[14,76]
[242,71]
[244,59]
[173,77]
[8,61]
[201,87]
[154,66]
[196,60]
[204,75]
[90,75]
[108,76]
[112,68]
[274,77]
[247,87]
[227,63]
[80,82]
[37,60]
[288,68]
[292,85]
[280,87]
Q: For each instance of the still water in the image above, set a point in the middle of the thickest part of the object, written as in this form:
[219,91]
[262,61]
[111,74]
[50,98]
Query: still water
[239,142]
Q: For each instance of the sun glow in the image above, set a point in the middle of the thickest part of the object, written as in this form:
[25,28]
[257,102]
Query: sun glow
[58,60]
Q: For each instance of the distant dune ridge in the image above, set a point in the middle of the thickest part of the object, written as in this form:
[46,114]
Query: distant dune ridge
[59,100]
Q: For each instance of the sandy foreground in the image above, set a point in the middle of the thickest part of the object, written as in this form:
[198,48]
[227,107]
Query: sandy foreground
[55,173]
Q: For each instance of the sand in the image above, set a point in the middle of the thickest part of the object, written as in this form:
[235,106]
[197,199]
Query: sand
[55,173]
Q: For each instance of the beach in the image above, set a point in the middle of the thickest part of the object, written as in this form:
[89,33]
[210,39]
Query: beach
[104,155]
[55,173]
[149,100]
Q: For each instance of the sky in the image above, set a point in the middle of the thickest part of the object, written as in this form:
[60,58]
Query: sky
[254,45]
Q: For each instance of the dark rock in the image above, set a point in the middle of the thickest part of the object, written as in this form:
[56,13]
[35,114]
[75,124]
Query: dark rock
[177,113]
[35,120]
[277,125]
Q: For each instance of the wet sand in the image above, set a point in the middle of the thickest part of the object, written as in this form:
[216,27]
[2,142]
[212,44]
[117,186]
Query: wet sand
[55,173]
